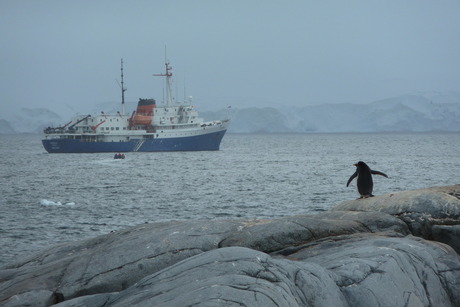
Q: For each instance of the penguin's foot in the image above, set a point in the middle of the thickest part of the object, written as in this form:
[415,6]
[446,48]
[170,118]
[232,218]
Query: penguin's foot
[365,196]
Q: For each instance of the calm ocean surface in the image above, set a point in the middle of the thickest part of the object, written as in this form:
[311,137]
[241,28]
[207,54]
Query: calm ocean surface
[51,198]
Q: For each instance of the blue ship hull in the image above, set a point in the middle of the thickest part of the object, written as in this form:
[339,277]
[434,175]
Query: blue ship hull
[203,142]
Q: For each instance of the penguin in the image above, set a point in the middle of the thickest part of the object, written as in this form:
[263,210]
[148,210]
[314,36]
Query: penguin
[364,181]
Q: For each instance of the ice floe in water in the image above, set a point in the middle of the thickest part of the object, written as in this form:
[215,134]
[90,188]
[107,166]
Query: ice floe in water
[45,202]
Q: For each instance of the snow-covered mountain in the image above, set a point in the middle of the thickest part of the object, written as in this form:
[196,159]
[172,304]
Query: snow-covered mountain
[408,113]
[5,127]
[29,121]
[404,113]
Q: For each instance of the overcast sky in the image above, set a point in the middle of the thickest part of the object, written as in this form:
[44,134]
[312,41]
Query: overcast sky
[66,54]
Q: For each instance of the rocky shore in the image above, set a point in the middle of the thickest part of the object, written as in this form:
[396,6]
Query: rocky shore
[398,249]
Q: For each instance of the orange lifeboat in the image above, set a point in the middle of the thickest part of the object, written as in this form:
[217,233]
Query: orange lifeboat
[144,113]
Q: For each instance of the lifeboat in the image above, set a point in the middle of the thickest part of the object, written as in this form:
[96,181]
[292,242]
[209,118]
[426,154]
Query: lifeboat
[144,112]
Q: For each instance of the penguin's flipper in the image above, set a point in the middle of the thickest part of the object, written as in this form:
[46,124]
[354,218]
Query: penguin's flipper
[352,177]
[378,173]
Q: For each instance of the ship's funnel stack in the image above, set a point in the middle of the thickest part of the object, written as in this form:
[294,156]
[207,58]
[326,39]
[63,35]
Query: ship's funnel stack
[144,112]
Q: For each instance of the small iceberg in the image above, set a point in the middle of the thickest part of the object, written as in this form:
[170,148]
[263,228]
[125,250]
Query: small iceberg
[45,202]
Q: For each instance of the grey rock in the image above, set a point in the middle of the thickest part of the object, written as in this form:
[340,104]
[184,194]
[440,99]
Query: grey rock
[372,221]
[95,300]
[447,234]
[353,270]
[421,210]
[33,298]
[359,257]
[438,202]
[276,234]
[377,270]
[111,262]
[235,276]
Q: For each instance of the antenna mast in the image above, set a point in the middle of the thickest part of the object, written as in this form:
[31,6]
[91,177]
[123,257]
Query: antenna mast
[168,75]
[123,90]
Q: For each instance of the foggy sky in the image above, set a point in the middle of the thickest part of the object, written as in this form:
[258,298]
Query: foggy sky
[65,55]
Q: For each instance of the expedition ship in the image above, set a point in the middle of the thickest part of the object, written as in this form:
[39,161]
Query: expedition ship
[150,128]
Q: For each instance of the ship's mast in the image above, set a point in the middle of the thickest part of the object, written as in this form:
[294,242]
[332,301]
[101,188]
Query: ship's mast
[123,90]
[168,75]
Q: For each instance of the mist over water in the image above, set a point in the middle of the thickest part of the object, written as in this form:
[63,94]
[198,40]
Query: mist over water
[52,198]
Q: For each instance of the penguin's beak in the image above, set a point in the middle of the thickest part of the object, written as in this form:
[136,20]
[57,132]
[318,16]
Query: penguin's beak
[356,164]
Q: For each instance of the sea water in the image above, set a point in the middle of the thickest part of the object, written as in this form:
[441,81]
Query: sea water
[47,199]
